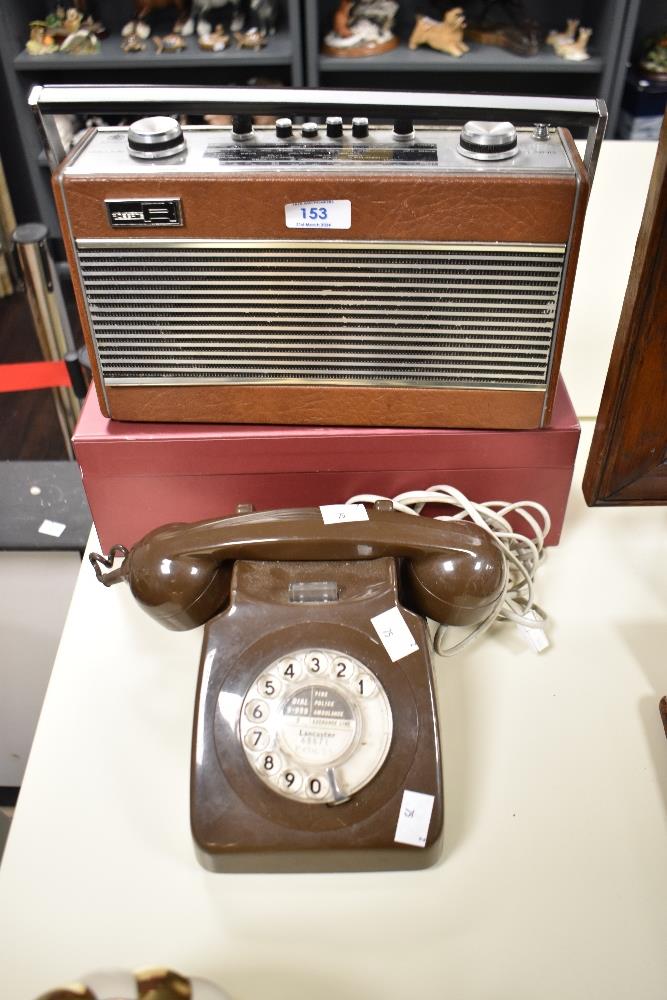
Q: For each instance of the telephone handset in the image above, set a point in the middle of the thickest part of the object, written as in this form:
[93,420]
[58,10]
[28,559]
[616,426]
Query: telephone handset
[315,742]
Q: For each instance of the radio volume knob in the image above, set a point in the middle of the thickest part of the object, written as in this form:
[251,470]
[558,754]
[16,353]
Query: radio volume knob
[309,130]
[155,138]
[488,140]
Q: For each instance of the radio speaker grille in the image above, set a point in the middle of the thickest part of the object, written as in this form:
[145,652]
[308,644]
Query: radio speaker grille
[428,314]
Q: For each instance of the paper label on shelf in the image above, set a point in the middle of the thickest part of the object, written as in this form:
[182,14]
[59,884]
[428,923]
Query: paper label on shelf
[54,528]
[332,214]
[414,818]
[394,634]
[337,513]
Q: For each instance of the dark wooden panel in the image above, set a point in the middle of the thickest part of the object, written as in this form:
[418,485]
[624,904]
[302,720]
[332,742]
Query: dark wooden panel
[627,460]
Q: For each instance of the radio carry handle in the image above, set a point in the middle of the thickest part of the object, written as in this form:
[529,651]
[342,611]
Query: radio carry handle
[426,108]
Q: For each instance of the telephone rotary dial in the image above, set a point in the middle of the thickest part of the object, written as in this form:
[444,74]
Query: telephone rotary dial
[314,733]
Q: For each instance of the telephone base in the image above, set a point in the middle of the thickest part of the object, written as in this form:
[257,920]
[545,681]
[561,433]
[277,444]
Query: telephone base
[307,737]
[399,858]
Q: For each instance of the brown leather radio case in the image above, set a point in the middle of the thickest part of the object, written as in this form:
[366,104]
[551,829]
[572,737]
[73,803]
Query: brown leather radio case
[439,300]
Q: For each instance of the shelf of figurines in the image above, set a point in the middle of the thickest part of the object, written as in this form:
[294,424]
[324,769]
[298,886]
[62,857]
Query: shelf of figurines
[478,59]
[276,51]
[162,33]
[504,39]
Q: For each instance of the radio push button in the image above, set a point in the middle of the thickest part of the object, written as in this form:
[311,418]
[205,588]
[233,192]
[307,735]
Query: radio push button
[242,129]
[360,128]
[334,127]
[283,128]
[488,140]
[404,130]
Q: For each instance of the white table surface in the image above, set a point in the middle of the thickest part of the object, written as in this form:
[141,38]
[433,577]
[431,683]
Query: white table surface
[553,880]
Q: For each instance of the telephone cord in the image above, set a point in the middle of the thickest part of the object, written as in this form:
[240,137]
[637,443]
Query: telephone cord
[522,554]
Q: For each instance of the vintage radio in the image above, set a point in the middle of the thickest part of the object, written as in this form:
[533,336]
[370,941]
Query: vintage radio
[405,274]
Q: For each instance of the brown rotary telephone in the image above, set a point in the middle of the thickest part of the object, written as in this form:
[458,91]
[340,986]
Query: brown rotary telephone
[315,742]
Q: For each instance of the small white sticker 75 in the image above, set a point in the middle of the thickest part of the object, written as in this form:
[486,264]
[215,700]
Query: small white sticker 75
[414,818]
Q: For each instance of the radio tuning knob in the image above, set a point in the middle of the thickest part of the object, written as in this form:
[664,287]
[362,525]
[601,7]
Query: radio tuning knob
[284,128]
[488,140]
[360,128]
[242,129]
[309,130]
[334,127]
[155,138]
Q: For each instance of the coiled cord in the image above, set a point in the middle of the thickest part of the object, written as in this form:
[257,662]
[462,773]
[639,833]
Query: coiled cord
[522,554]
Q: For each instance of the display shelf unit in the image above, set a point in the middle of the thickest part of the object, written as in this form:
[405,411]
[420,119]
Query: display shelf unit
[281,60]
[279,52]
[485,67]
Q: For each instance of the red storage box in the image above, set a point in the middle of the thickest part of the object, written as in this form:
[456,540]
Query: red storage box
[138,476]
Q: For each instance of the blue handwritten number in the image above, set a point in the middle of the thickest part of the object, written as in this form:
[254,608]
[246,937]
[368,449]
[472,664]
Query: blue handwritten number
[314,213]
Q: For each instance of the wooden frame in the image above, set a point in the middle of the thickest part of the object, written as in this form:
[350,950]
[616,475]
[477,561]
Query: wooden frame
[627,463]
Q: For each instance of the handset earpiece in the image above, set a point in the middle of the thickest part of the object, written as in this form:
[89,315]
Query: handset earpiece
[179,589]
[461,587]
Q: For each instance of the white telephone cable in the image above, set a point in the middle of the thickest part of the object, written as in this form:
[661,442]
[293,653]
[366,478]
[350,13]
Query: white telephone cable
[523,554]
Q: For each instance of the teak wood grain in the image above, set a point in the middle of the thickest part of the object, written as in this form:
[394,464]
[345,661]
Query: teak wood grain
[627,463]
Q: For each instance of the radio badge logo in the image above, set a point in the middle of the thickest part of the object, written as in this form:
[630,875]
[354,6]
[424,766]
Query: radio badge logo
[144,213]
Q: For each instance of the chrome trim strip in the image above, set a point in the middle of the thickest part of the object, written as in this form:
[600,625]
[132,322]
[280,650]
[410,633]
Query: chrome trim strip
[594,140]
[353,285]
[423,382]
[538,342]
[566,263]
[265,314]
[352,245]
[388,359]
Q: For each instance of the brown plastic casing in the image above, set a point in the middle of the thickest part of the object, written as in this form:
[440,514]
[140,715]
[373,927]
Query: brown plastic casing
[182,574]
[472,206]
[240,824]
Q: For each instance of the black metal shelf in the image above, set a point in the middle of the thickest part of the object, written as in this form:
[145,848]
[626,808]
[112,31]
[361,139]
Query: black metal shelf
[480,59]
